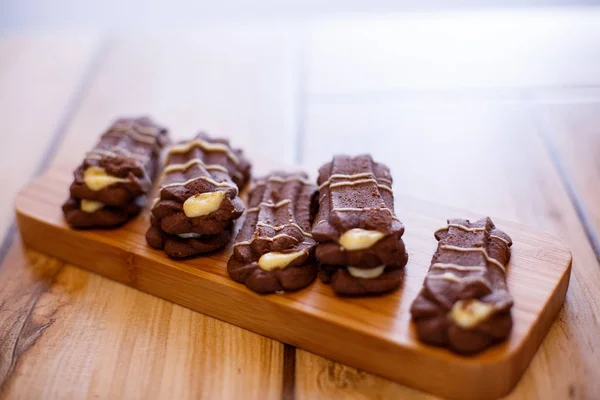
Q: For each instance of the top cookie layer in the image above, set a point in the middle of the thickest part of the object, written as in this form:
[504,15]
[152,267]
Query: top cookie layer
[355,192]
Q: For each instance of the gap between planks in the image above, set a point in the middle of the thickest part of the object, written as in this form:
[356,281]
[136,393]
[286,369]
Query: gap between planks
[74,104]
[289,373]
[300,111]
[567,180]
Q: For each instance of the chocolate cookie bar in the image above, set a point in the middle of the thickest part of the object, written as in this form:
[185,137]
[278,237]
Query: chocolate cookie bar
[198,200]
[274,250]
[360,246]
[109,187]
[464,303]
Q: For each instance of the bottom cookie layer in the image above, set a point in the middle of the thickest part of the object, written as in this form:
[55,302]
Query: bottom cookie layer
[290,278]
[178,247]
[345,284]
[436,328]
[105,217]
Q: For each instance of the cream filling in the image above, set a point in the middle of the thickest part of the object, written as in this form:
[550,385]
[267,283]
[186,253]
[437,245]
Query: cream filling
[366,273]
[203,204]
[90,206]
[189,235]
[275,260]
[96,178]
[469,313]
[359,239]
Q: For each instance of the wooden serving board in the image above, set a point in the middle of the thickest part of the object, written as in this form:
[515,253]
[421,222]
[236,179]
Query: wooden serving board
[373,334]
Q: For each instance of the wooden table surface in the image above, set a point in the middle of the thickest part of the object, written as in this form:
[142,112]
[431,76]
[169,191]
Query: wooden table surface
[496,113]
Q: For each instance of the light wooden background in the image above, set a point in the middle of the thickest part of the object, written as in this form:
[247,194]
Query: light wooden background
[497,113]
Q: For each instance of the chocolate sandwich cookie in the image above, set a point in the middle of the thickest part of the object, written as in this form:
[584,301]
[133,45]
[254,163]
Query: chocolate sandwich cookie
[198,200]
[109,187]
[275,251]
[123,163]
[360,246]
[199,189]
[464,303]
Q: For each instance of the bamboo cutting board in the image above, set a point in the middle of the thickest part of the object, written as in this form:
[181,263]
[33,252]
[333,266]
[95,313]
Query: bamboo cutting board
[373,334]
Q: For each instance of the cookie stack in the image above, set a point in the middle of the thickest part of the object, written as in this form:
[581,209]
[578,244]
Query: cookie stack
[274,251]
[464,303]
[109,187]
[360,246]
[199,197]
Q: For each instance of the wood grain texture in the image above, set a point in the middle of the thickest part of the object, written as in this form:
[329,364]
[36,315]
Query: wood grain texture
[452,52]
[236,83]
[483,156]
[571,131]
[25,278]
[34,103]
[39,76]
[109,341]
[370,333]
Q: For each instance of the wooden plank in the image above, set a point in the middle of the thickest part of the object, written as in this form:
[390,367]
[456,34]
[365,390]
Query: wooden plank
[39,76]
[239,84]
[481,156]
[376,331]
[451,51]
[22,318]
[34,102]
[571,130]
[100,332]
[236,83]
